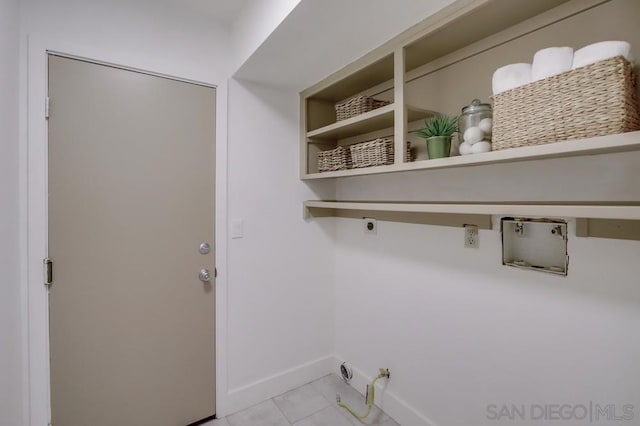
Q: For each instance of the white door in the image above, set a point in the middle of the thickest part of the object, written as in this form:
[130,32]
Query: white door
[131,200]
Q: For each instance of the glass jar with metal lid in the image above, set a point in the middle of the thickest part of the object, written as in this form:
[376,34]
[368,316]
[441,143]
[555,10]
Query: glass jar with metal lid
[476,115]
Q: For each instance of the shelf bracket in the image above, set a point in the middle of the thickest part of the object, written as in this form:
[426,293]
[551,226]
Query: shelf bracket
[311,212]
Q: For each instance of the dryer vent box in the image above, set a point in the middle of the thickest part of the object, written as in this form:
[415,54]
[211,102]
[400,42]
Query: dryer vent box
[535,244]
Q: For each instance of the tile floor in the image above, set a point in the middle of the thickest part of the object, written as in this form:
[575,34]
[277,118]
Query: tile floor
[313,404]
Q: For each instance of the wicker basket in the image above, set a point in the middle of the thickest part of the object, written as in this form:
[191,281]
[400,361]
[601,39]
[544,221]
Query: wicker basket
[595,100]
[377,152]
[368,154]
[334,159]
[356,106]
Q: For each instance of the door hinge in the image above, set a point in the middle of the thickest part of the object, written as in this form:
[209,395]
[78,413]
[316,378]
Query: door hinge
[47,106]
[48,272]
[215,272]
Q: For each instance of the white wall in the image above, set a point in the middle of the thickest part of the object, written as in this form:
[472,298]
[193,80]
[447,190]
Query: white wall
[256,22]
[157,36]
[458,330]
[281,281]
[11,385]
[149,35]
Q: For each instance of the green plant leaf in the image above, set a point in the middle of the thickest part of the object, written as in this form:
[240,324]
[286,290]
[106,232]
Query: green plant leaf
[439,125]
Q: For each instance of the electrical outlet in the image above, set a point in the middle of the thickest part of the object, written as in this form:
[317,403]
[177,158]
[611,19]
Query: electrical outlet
[370,226]
[471,236]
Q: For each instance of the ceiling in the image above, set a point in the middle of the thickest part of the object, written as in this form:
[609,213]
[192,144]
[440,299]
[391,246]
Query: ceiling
[317,37]
[321,36]
[223,11]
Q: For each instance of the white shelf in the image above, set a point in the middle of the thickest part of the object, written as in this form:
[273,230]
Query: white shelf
[593,146]
[380,118]
[591,211]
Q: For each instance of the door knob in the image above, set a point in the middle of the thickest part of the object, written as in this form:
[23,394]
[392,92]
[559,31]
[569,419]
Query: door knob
[204,275]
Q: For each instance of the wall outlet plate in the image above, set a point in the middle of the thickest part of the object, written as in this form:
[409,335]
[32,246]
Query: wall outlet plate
[471,239]
[370,226]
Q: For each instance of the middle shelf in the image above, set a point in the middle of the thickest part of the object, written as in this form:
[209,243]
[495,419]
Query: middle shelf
[371,121]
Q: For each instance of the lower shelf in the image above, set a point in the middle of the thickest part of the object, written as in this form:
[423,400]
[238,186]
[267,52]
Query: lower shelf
[627,211]
[613,221]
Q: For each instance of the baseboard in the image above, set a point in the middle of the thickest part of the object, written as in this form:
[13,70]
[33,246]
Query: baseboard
[238,399]
[389,402]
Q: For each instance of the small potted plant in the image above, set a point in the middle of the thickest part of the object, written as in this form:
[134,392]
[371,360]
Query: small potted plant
[437,131]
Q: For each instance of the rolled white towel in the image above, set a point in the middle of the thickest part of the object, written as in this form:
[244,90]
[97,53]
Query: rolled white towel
[551,61]
[511,76]
[600,51]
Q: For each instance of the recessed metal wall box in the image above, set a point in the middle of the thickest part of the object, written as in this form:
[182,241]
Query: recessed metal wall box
[535,244]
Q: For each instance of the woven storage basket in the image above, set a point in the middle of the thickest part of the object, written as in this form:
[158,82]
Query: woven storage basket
[595,100]
[334,159]
[377,152]
[356,106]
[371,153]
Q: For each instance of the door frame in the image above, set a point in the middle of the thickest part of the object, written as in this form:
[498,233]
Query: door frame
[34,225]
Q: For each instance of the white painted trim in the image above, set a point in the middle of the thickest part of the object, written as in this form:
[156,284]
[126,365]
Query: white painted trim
[36,234]
[33,193]
[221,238]
[24,220]
[277,384]
[389,402]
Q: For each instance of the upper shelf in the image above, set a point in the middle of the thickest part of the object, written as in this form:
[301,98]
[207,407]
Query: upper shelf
[593,146]
[380,118]
[360,79]
[484,20]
